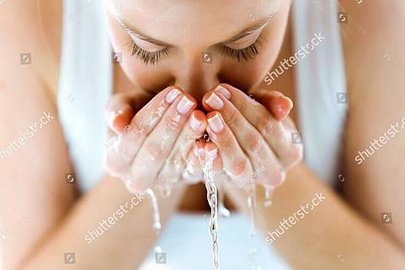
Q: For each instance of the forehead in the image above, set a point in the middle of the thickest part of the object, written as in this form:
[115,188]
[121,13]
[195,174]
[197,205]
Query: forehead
[186,20]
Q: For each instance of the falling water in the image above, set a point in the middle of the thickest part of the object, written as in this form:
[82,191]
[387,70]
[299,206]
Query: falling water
[251,202]
[223,211]
[157,226]
[268,193]
[212,197]
[156,215]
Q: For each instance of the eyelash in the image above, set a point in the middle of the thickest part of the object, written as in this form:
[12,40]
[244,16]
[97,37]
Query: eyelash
[145,56]
[246,54]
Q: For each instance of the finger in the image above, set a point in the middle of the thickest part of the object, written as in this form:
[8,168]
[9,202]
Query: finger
[122,149]
[176,162]
[234,161]
[212,152]
[120,110]
[277,134]
[193,172]
[251,142]
[158,145]
[275,102]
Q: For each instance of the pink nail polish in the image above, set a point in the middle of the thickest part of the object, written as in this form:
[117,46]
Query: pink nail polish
[185,105]
[225,92]
[194,123]
[215,102]
[172,95]
[216,123]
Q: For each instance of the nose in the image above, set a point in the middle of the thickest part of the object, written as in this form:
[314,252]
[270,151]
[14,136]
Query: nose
[197,76]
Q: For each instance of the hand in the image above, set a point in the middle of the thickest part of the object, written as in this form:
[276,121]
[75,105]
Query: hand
[253,144]
[149,144]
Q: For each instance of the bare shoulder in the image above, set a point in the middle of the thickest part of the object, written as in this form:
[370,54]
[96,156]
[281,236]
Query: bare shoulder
[374,32]
[374,39]
[31,31]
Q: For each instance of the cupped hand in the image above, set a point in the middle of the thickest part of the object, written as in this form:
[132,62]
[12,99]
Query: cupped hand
[251,141]
[149,145]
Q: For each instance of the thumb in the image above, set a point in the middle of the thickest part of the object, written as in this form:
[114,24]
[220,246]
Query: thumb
[275,102]
[120,110]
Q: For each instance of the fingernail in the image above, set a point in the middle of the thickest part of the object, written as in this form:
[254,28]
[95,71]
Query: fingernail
[184,105]
[215,102]
[172,95]
[111,119]
[198,151]
[283,105]
[195,124]
[216,123]
[225,92]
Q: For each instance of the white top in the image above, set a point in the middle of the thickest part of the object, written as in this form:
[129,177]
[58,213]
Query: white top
[86,84]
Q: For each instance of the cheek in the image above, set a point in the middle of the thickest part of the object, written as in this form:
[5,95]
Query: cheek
[146,77]
[247,75]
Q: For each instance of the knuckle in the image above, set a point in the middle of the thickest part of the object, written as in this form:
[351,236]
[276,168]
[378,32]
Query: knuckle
[224,141]
[173,123]
[232,117]
[265,126]
[239,168]
[154,152]
[254,142]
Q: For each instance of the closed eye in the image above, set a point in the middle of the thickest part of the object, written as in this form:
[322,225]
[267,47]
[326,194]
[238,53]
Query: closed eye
[243,46]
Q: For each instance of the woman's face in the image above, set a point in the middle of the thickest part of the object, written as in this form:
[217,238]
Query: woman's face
[197,44]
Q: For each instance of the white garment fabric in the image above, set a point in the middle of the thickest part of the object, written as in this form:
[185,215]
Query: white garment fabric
[86,84]
[321,83]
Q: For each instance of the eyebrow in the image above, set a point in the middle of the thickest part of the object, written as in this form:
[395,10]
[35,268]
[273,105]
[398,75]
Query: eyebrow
[133,31]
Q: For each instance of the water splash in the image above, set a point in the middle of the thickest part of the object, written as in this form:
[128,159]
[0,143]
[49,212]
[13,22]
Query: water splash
[251,202]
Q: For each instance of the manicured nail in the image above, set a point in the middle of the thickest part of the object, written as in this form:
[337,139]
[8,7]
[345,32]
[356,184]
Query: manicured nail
[216,123]
[184,105]
[225,92]
[199,151]
[111,119]
[172,95]
[215,102]
[195,124]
